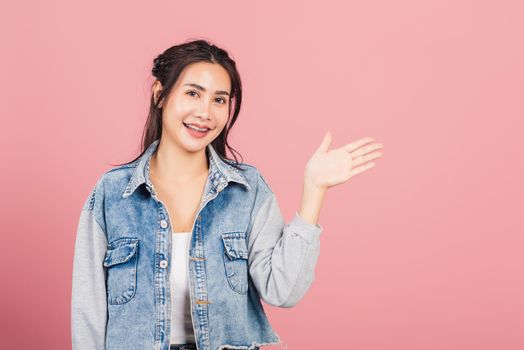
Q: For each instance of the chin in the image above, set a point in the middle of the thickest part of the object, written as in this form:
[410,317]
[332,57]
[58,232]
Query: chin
[195,145]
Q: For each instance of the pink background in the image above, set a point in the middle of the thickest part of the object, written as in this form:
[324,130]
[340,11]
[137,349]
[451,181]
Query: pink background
[424,251]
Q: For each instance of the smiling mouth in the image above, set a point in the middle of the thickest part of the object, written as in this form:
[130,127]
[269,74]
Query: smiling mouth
[194,132]
[190,126]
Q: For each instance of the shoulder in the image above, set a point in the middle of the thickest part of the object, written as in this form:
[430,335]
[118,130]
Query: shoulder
[111,179]
[119,173]
[255,178]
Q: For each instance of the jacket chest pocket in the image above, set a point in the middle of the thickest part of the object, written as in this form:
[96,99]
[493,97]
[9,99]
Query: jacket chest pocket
[121,261]
[235,260]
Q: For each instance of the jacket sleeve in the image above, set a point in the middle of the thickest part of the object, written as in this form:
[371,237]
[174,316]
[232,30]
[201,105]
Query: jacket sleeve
[89,301]
[282,257]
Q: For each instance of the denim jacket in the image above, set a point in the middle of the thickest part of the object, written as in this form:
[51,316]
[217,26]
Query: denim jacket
[240,251]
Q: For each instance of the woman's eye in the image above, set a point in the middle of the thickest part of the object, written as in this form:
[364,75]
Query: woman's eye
[194,93]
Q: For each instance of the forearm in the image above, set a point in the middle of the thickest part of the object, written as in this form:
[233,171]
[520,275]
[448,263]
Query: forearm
[311,203]
[282,256]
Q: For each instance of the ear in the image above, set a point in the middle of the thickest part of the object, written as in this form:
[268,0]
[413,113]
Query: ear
[157,88]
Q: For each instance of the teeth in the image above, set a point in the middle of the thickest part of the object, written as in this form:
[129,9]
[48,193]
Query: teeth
[195,128]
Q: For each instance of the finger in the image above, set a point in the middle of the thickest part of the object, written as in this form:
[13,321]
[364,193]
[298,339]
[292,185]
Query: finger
[363,159]
[364,150]
[350,147]
[362,168]
[326,141]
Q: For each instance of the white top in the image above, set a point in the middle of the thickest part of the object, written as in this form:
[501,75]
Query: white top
[181,326]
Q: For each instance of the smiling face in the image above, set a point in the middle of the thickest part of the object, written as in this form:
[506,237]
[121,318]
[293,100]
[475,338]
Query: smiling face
[199,97]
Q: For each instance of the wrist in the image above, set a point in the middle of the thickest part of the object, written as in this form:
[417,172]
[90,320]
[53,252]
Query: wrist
[310,186]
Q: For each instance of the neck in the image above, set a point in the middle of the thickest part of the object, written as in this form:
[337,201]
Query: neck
[175,165]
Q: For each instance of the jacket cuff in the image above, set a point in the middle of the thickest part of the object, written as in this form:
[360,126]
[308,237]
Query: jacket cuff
[305,229]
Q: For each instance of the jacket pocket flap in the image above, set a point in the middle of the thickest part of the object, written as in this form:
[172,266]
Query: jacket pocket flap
[235,245]
[120,251]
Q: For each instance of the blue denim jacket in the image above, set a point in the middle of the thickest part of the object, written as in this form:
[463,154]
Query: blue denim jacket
[240,251]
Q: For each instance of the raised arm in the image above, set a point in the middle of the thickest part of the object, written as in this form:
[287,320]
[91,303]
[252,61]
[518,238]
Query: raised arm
[282,257]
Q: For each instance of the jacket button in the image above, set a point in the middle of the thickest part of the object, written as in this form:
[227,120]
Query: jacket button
[163,223]
[163,264]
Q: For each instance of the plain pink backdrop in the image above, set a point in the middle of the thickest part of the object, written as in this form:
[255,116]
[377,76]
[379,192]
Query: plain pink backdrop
[423,251]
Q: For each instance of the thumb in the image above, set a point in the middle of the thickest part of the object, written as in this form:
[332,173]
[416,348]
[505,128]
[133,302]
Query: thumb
[325,143]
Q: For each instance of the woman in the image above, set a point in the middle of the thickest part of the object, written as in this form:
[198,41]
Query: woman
[176,248]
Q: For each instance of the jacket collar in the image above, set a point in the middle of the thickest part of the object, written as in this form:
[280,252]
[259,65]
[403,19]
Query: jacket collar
[220,171]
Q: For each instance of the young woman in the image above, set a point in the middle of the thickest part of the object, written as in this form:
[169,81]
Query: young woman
[175,249]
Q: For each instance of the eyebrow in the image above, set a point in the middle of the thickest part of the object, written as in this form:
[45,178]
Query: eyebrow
[201,88]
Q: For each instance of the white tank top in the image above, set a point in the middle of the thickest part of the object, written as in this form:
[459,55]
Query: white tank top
[181,327]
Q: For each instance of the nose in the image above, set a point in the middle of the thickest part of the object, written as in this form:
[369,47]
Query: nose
[203,111]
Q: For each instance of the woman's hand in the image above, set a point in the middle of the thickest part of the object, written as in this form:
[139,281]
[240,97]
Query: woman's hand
[329,168]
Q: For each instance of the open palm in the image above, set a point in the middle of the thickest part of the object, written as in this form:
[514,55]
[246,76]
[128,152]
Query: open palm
[329,168]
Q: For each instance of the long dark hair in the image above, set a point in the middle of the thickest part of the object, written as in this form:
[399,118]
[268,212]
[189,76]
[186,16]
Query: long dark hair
[167,68]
